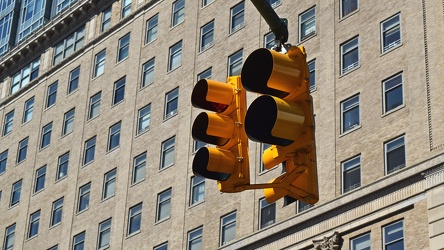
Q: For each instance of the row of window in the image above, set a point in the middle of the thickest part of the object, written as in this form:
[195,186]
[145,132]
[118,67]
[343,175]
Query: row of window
[392,238]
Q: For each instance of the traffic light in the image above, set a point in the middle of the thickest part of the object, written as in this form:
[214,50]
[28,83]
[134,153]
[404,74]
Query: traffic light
[283,116]
[228,162]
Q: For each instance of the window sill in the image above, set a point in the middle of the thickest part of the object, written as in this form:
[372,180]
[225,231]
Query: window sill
[113,149]
[177,24]
[39,191]
[26,122]
[350,71]
[350,130]
[137,182]
[196,204]
[391,49]
[107,198]
[65,135]
[72,92]
[166,118]
[393,110]
[165,168]
[140,133]
[162,220]
[306,38]
[348,15]
[171,70]
[236,29]
[87,164]
[83,211]
[20,162]
[14,205]
[55,225]
[92,118]
[117,103]
[148,43]
[202,50]
[4,135]
[122,60]
[46,108]
[32,237]
[45,147]
[61,178]
[97,76]
[146,85]
[133,234]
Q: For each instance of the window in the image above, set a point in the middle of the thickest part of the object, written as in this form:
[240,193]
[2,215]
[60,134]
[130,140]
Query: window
[51,95]
[195,239]
[207,36]
[206,2]
[134,219]
[109,184]
[302,206]
[3,161]
[274,3]
[393,93]
[197,145]
[351,174]
[143,121]
[62,166]
[227,228]
[57,211]
[78,242]
[349,55]
[151,28]
[237,17]
[22,150]
[348,6]
[46,135]
[68,45]
[178,12]
[34,220]
[175,57]
[393,236]
[390,33]
[9,237]
[84,197]
[123,51]
[90,149]
[197,190]
[361,243]
[148,73]
[56,247]
[264,146]
[163,246]
[15,193]
[119,90]
[163,205]
[94,105]
[312,70]
[62,5]
[106,20]
[206,74]
[40,176]
[267,213]
[126,8]
[139,168]
[104,234]
[68,122]
[235,63]
[73,83]
[350,114]
[307,24]
[99,63]
[32,16]
[114,136]
[167,153]
[24,76]
[7,124]
[394,154]
[28,110]
[171,103]
[269,40]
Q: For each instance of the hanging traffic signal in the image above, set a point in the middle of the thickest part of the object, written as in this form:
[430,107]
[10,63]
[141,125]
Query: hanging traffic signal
[228,162]
[283,117]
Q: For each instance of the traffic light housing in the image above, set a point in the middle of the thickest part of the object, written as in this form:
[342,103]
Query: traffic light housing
[228,162]
[283,117]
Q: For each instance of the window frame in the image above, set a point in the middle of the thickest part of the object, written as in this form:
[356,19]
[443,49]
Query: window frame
[3,161]
[302,23]
[34,223]
[74,76]
[178,13]
[302,206]
[170,98]
[393,27]
[195,184]
[105,23]
[148,72]
[263,147]
[162,246]
[76,242]
[24,76]
[143,117]
[263,206]
[94,103]
[83,197]
[341,6]
[223,227]
[109,180]
[45,139]
[344,52]
[360,237]
[175,56]
[68,122]
[51,95]
[162,204]
[99,63]
[61,163]
[57,208]
[350,165]
[28,110]
[104,229]
[119,91]
[346,109]
[312,71]
[198,237]
[235,60]
[39,178]
[16,191]
[386,152]
[152,28]
[22,148]
[269,40]
[87,149]
[68,45]
[8,122]
[385,92]
[206,31]
[206,74]
[123,47]
[9,237]
[236,13]
[137,215]
[168,147]
[126,8]
[114,136]
[383,231]
[139,164]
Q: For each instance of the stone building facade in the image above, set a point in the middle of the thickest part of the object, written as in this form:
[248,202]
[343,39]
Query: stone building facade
[95,114]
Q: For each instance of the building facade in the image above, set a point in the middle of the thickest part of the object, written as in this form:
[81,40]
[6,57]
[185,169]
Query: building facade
[95,115]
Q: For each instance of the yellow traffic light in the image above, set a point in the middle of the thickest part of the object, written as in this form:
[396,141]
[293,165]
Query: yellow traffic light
[228,162]
[283,117]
